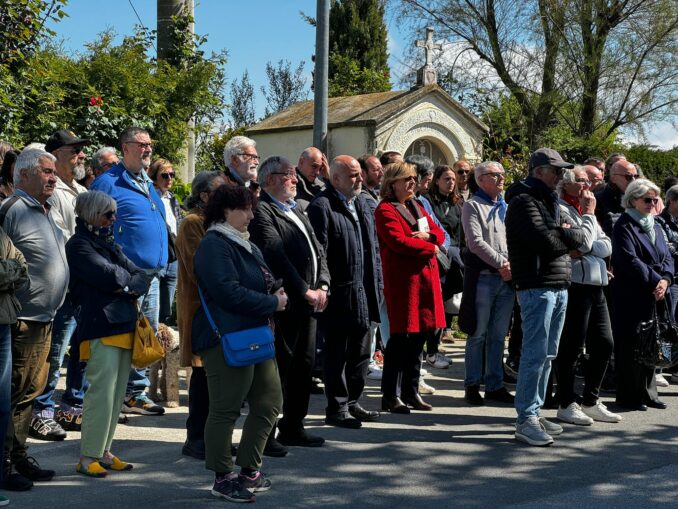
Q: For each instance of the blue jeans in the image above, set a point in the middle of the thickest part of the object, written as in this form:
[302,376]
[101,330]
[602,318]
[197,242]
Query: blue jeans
[138,377]
[384,325]
[168,285]
[5,384]
[64,327]
[494,305]
[543,314]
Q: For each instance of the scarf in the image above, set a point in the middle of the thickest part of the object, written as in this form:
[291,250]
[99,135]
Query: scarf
[104,233]
[646,222]
[240,238]
[499,205]
[574,201]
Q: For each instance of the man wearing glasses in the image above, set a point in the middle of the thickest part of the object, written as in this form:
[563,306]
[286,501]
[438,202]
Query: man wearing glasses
[462,169]
[66,147]
[140,230]
[242,160]
[312,165]
[609,207]
[538,248]
[103,160]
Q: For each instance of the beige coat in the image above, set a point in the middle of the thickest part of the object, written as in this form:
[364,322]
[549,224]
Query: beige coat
[13,275]
[191,232]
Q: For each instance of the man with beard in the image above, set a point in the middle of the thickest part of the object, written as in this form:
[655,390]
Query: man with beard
[241,159]
[67,148]
[344,225]
[141,231]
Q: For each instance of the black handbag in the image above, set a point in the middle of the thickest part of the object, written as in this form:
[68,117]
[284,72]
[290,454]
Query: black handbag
[657,340]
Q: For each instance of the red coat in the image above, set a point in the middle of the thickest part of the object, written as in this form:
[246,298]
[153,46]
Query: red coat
[412,289]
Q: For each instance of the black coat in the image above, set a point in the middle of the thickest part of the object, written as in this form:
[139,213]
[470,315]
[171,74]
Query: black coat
[287,252]
[99,274]
[449,215]
[608,207]
[352,258]
[538,247]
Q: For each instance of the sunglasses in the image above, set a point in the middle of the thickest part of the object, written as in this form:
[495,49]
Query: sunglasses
[167,176]
[110,214]
[628,176]
[652,201]
[463,172]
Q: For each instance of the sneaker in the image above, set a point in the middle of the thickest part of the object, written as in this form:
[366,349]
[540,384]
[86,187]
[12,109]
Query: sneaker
[500,396]
[30,469]
[425,388]
[574,415]
[551,428]
[3,501]
[423,372]
[447,337]
[142,405]
[378,358]
[511,366]
[42,428]
[599,412]
[438,360]
[660,380]
[531,432]
[258,482]
[232,490]
[70,419]
[13,481]
[374,372]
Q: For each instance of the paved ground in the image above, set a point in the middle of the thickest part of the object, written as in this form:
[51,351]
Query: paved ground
[455,456]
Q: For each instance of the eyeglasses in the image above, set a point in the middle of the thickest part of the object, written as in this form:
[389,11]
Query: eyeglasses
[168,175]
[629,177]
[652,201]
[495,176]
[109,215]
[287,175]
[247,157]
[460,172]
[106,166]
[585,182]
[142,145]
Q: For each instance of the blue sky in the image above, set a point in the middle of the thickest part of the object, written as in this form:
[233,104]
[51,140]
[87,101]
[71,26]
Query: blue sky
[254,32]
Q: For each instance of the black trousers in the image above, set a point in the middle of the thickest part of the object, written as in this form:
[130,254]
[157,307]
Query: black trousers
[295,353]
[347,355]
[402,363]
[515,342]
[198,405]
[586,321]
[433,342]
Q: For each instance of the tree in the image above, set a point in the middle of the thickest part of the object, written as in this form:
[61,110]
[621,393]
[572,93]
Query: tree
[590,66]
[358,59]
[285,86]
[241,109]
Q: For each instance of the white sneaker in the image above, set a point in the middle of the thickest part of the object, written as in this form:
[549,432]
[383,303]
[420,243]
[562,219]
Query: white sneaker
[574,415]
[531,432]
[599,412]
[438,360]
[374,372]
[661,381]
[425,388]
[551,428]
[423,372]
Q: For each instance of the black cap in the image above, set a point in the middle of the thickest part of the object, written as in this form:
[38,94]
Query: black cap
[547,157]
[63,137]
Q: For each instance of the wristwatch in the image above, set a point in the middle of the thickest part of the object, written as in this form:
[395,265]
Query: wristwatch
[324,287]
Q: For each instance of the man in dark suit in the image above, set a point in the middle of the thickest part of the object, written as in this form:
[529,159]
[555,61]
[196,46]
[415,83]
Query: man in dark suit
[291,250]
[344,224]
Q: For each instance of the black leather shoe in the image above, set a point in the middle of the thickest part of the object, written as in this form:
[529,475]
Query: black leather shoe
[655,403]
[394,405]
[632,406]
[194,449]
[274,449]
[472,395]
[29,468]
[417,403]
[361,414]
[342,420]
[500,395]
[13,481]
[300,439]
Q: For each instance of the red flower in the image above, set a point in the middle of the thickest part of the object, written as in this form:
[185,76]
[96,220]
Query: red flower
[96,101]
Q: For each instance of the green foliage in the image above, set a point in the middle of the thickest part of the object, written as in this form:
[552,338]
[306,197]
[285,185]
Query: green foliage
[358,62]
[241,109]
[211,154]
[656,164]
[285,86]
[181,191]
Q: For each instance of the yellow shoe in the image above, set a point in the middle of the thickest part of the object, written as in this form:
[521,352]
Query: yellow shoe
[117,465]
[93,470]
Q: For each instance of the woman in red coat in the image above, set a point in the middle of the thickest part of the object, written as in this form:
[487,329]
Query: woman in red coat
[408,241]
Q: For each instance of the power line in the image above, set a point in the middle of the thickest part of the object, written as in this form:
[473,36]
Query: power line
[137,14]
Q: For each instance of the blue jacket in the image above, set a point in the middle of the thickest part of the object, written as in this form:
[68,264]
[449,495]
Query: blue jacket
[140,227]
[234,288]
[99,274]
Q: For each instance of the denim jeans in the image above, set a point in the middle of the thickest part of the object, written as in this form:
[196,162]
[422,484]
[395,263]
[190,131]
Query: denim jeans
[138,377]
[384,325]
[168,285]
[5,383]
[494,305]
[64,327]
[543,313]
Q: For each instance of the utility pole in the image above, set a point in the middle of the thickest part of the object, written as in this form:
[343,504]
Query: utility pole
[322,46]
[167,9]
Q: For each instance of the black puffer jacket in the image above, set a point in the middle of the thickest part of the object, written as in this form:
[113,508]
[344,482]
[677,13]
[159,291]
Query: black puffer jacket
[538,247]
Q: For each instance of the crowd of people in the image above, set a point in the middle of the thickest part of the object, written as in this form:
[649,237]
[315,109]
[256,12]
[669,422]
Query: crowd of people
[345,263]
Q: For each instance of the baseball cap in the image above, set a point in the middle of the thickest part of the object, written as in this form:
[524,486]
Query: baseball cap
[547,156]
[63,137]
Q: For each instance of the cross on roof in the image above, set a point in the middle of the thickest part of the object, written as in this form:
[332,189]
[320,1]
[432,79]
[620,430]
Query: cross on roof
[429,45]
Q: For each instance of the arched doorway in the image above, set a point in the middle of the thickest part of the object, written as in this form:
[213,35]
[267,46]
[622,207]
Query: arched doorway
[429,148]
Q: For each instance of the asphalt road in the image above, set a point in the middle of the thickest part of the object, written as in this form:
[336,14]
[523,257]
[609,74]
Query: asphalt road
[455,456]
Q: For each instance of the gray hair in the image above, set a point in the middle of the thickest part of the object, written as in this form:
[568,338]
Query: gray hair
[202,183]
[128,134]
[235,145]
[672,194]
[270,165]
[29,159]
[637,189]
[484,167]
[91,205]
[568,177]
[423,165]
[98,155]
